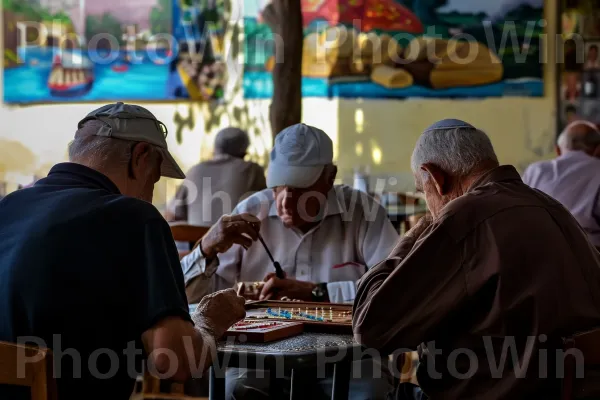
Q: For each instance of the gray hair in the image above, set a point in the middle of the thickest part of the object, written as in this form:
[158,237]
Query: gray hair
[587,141]
[459,151]
[100,152]
[232,141]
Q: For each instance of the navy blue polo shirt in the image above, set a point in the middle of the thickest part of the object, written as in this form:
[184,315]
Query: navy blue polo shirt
[86,270]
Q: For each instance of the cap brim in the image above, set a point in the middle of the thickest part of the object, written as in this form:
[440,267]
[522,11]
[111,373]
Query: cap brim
[169,167]
[293,176]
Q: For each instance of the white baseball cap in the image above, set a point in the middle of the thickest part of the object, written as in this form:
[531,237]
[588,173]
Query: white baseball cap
[135,123]
[299,156]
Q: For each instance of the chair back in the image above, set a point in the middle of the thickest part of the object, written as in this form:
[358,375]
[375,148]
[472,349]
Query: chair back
[149,387]
[187,233]
[582,348]
[37,373]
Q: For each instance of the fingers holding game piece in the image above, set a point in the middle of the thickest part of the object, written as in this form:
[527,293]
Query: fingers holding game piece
[292,288]
[270,284]
[272,275]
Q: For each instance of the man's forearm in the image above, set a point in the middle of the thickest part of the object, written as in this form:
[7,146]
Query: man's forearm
[205,351]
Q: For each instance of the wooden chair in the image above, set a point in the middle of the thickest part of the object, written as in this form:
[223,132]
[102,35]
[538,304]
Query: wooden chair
[38,372]
[588,386]
[183,232]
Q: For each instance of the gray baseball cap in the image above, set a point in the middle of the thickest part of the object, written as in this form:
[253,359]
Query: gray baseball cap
[299,156]
[135,123]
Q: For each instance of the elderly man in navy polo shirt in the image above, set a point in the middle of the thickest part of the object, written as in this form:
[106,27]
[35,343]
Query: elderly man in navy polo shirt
[88,266]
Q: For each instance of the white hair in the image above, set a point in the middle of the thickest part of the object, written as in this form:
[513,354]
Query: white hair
[98,151]
[567,141]
[457,151]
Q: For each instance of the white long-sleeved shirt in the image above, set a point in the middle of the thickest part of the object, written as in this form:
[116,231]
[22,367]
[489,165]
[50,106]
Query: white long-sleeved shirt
[354,234]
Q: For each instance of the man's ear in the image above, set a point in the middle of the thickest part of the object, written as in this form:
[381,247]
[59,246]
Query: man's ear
[332,175]
[558,152]
[439,178]
[139,159]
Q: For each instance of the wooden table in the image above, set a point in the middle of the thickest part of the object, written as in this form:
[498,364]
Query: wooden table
[293,357]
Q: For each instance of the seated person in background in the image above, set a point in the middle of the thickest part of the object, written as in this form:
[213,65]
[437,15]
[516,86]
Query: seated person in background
[498,274]
[324,236]
[215,187]
[573,178]
[88,264]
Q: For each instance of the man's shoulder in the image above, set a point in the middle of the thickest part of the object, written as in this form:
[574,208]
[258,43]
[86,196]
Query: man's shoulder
[485,203]
[538,166]
[258,204]
[81,201]
[130,208]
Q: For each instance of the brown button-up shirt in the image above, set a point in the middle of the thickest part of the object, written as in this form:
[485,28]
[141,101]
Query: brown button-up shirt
[489,289]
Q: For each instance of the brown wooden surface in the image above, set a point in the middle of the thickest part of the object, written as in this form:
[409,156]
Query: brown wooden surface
[188,233]
[284,17]
[150,388]
[265,335]
[588,343]
[37,372]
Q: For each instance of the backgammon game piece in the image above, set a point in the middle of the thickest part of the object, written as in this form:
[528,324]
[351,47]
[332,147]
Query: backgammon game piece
[317,317]
[261,331]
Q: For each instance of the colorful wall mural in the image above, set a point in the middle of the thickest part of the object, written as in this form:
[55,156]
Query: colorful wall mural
[89,50]
[406,48]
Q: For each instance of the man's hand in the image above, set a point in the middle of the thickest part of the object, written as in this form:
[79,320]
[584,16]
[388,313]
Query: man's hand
[218,311]
[239,229]
[292,288]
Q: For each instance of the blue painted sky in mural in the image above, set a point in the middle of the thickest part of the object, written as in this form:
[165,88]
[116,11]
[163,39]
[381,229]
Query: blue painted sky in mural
[492,8]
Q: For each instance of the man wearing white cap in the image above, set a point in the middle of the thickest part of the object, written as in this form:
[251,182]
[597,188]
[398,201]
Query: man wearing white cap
[88,264]
[325,237]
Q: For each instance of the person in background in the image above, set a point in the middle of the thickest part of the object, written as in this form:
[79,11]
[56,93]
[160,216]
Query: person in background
[325,237]
[573,178]
[570,113]
[486,287]
[88,264]
[572,87]
[592,61]
[215,187]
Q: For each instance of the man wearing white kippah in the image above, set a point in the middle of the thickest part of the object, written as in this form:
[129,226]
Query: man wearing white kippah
[325,236]
[488,287]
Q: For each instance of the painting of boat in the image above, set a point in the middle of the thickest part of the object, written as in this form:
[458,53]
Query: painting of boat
[70,77]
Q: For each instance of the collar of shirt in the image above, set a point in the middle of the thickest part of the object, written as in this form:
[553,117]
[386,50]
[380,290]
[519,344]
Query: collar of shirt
[79,175]
[332,207]
[498,174]
[575,154]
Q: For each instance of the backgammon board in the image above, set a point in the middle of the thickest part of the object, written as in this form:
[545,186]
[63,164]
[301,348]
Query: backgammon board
[263,331]
[316,317]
